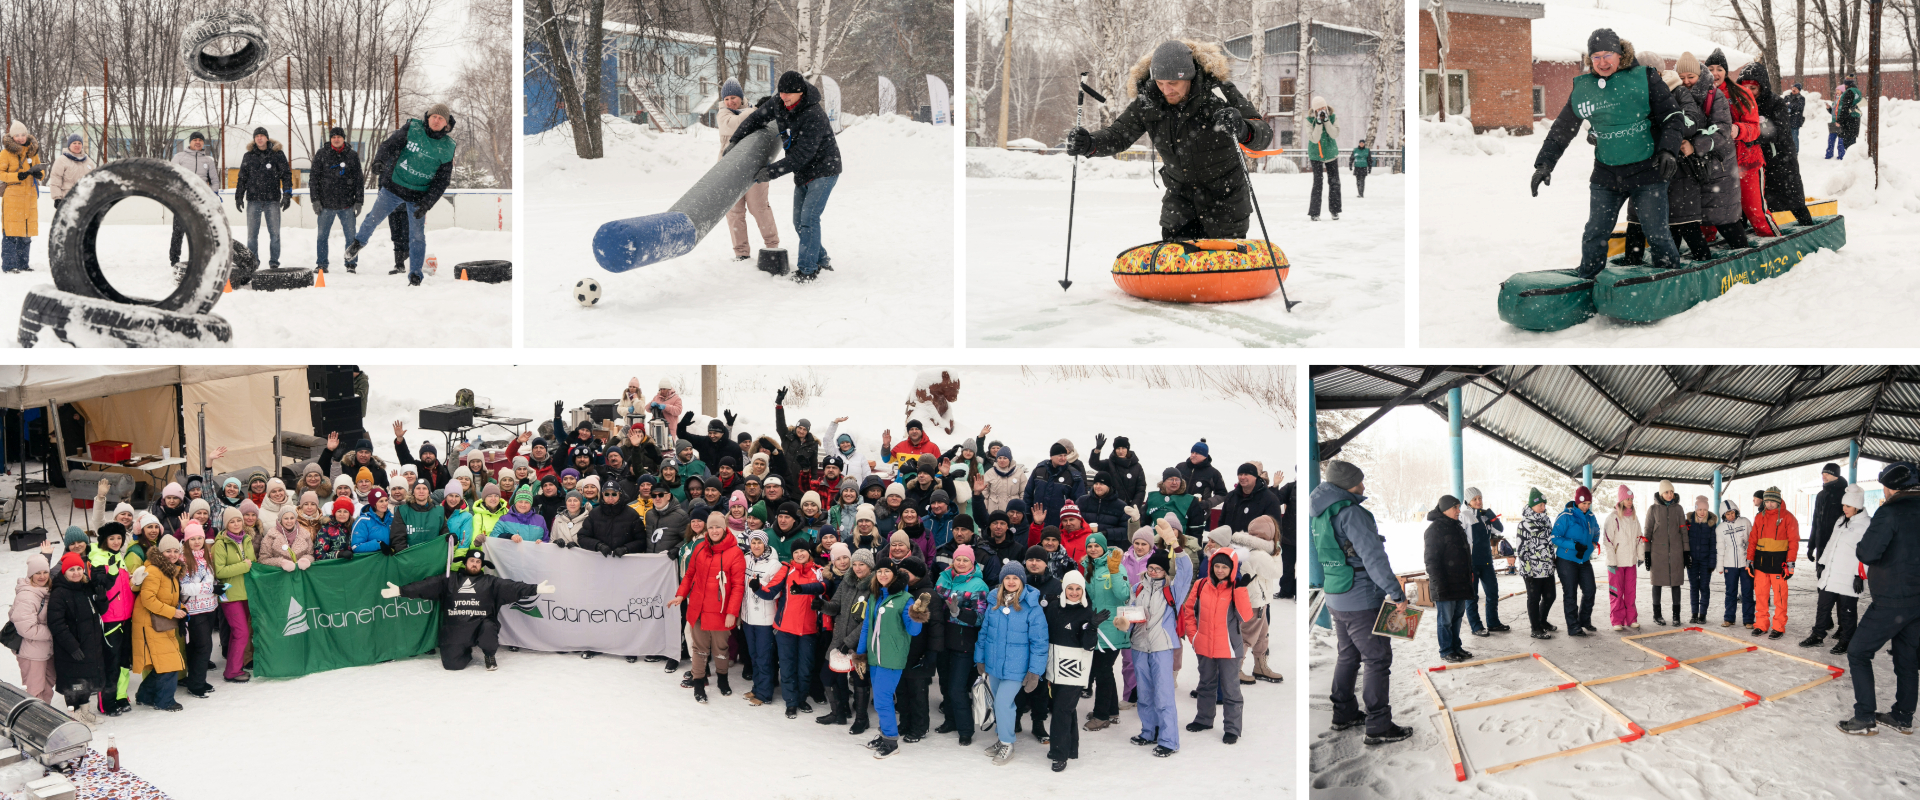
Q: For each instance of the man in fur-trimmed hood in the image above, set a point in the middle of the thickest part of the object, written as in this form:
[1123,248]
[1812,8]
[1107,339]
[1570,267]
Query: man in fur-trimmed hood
[1194,131]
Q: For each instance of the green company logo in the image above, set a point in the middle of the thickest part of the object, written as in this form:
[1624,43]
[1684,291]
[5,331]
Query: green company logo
[298,616]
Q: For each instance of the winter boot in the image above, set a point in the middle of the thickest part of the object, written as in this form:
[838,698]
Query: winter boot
[1759,631]
[1657,618]
[1004,755]
[1858,727]
[1886,719]
[1776,634]
[632,659]
[1061,766]
[886,747]
[1246,678]
[1261,672]
[1162,751]
[672,665]
[1096,724]
[1813,640]
[1676,607]
[1839,648]
[492,665]
[1398,733]
[1040,728]
[353,252]
[721,681]
[700,690]
[1197,726]
[861,699]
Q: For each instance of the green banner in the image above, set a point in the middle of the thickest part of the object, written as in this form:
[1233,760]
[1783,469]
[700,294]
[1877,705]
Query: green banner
[331,615]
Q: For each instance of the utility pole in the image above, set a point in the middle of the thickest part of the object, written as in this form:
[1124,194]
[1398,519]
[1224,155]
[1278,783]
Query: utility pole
[1006,73]
[710,390]
[1873,88]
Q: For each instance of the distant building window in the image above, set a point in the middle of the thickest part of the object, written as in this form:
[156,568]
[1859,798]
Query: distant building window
[703,86]
[656,63]
[679,104]
[1283,104]
[1286,138]
[682,66]
[1539,101]
[1457,88]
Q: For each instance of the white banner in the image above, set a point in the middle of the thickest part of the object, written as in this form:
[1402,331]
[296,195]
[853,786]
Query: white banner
[830,98]
[886,96]
[937,99]
[607,605]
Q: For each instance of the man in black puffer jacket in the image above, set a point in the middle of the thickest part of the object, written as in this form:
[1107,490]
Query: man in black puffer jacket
[1250,499]
[338,189]
[1129,481]
[812,156]
[1102,506]
[713,446]
[1826,512]
[613,528]
[1890,549]
[266,181]
[1449,574]
[1195,132]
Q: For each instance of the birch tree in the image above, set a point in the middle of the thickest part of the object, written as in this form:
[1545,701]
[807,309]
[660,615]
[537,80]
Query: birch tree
[575,71]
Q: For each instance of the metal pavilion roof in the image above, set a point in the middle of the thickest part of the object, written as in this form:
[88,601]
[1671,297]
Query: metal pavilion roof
[1652,422]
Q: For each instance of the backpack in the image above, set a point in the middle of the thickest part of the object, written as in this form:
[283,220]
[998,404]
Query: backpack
[1332,553]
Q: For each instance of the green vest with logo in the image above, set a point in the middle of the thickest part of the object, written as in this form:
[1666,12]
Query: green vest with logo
[422,157]
[1617,107]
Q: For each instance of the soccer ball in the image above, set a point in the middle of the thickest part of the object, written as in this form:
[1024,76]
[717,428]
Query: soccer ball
[587,292]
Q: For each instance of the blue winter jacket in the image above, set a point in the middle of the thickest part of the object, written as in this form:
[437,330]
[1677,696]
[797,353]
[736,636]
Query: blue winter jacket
[1703,541]
[1012,643]
[372,530]
[1575,527]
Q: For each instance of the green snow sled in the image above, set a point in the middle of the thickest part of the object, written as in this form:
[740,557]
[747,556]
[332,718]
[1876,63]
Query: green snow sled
[1557,299]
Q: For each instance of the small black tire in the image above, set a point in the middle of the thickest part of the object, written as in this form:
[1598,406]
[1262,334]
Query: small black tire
[88,322]
[486,271]
[242,266]
[76,227]
[230,21]
[269,280]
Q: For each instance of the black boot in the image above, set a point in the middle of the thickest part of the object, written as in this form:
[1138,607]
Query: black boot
[1676,607]
[725,690]
[1657,619]
[860,699]
[1839,647]
[492,665]
[700,690]
[1813,640]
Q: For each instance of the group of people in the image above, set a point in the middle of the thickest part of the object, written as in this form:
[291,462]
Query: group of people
[1697,152]
[1755,556]
[833,577]
[413,167]
[810,153]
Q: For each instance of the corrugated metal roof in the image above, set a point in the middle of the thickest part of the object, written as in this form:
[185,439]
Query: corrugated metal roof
[1648,422]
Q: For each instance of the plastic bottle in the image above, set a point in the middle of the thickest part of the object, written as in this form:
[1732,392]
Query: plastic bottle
[113,755]
[433,265]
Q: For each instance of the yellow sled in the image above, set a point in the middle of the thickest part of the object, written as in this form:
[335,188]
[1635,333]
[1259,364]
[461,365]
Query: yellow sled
[1617,243]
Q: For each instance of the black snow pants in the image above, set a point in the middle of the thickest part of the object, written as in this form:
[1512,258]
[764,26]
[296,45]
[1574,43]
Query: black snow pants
[459,635]
[1218,209]
[1332,171]
[397,230]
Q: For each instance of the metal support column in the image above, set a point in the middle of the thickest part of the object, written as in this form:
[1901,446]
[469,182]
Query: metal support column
[1453,442]
[1853,461]
[1716,493]
[1586,477]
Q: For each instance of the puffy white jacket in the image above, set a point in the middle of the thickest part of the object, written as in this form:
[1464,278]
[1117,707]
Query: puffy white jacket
[1620,540]
[1838,557]
[1258,559]
[755,611]
[1733,542]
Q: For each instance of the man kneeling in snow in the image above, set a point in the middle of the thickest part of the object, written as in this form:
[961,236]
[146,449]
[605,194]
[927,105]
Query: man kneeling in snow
[471,599]
[1197,134]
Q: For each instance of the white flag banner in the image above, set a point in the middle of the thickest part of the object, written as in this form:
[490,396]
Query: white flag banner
[937,99]
[607,605]
[830,98]
[886,96]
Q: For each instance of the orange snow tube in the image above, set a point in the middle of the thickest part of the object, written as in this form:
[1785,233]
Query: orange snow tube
[1201,270]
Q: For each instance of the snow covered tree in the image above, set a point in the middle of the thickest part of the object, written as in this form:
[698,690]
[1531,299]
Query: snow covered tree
[572,43]
[41,75]
[820,29]
[482,95]
[1389,53]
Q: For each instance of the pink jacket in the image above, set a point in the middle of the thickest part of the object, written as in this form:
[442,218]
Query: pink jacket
[29,616]
[274,548]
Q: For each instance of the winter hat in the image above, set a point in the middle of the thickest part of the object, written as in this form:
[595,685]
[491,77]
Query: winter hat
[1050,532]
[168,543]
[1222,535]
[1605,40]
[112,529]
[1016,504]
[196,135]
[505,474]
[1056,450]
[896,490]
[1318,103]
[439,109]
[963,522]
[716,426]
[569,472]
[834,461]
[1665,486]
[73,536]
[929,464]
[1446,501]
[739,498]
[1534,497]
[70,560]
[1172,61]
[963,550]
[1715,59]
[226,516]
[198,504]
[192,530]
[811,495]
[789,508]
[792,83]
[1160,559]
[864,513]
[173,490]
[1472,492]
[940,496]
[1832,469]
[1120,442]
[521,461]
[1200,447]
[864,556]
[1626,498]
[1688,63]
[336,131]
[1071,510]
[1672,79]
[374,494]
[914,425]
[804,423]
[1772,494]
[837,550]
[1582,495]
[523,493]
[1900,476]
[1142,535]
[363,444]
[71,138]
[716,521]
[899,537]
[1344,474]
[462,472]
[1248,469]
[37,564]
[1035,553]
[774,480]
[1074,578]
[1003,451]
[260,132]
[1700,502]
[363,475]
[248,506]
[751,479]
[1855,496]
[340,505]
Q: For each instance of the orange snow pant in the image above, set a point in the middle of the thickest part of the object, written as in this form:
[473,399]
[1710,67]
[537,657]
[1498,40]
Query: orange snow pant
[1769,590]
[1753,202]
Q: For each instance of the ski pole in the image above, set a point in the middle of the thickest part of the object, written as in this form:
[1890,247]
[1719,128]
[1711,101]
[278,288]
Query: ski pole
[1073,192]
[1268,240]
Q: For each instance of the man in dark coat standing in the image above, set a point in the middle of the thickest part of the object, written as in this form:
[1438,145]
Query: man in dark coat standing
[812,157]
[1248,499]
[1891,552]
[1449,563]
[1289,543]
[1826,512]
[1195,132]
[471,601]
[266,181]
[338,189]
[1796,115]
[613,528]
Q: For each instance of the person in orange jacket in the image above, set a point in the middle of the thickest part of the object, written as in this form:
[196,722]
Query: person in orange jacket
[713,587]
[1772,548]
[1210,618]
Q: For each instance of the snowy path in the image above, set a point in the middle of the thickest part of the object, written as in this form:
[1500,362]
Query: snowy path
[134,259]
[888,228]
[1479,225]
[1720,758]
[1348,275]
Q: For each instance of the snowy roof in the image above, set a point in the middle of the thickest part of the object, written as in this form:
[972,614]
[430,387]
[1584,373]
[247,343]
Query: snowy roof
[1649,422]
[1561,35]
[676,36]
[1490,8]
[200,105]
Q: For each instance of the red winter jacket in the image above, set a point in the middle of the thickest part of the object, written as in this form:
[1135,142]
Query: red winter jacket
[905,450]
[1746,126]
[792,589]
[1075,543]
[1203,617]
[715,583]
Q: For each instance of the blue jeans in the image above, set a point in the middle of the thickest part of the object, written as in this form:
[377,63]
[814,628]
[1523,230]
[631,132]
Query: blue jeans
[796,666]
[809,200]
[1604,209]
[885,683]
[760,648]
[1489,585]
[1699,587]
[1882,625]
[1449,613]
[13,253]
[1740,590]
[156,689]
[1005,716]
[324,221]
[270,211]
[416,231]
[1834,140]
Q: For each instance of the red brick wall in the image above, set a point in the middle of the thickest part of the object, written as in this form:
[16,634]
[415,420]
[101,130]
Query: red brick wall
[1556,79]
[1497,54]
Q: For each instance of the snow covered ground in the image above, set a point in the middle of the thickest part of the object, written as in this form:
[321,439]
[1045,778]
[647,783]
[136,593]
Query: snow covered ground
[1348,276]
[1478,225]
[134,259]
[1727,757]
[888,227]
[550,725]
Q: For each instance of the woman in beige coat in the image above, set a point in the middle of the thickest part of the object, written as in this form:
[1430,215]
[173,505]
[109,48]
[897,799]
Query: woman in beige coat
[69,167]
[1620,543]
[285,544]
[727,119]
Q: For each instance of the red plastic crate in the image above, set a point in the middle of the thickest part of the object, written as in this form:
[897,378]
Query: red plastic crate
[110,451]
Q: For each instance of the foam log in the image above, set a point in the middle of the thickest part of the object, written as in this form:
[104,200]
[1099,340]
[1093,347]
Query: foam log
[624,244]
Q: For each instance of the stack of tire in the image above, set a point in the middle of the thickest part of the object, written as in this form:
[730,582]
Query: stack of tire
[486,271]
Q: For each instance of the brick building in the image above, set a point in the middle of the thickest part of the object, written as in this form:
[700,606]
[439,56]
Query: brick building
[1489,63]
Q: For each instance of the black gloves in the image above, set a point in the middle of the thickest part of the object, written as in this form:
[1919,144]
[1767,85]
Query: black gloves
[1229,122]
[729,417]
[1100,617]
[419,212]
[1579,550]
[1686,559]
[386,548]
[1541,175]
[1099,441]
[619,551]
[346,555]
[1079,142]
[763,175]
[606,549]
[240,201]
[558,406]
[286,201]
[687,418]
[1665,164]
[78,655]
[573,545]
[780,397]
[754,583]
[1245,579]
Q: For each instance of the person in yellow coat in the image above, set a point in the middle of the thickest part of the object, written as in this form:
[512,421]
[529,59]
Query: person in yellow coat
[156,628]
[21,170]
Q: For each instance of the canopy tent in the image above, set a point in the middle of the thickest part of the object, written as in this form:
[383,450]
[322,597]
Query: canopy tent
[147,406]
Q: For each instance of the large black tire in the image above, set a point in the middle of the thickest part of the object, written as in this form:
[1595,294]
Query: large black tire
[243,264]
[70,243]
[486,271]
[89,322]
[269,280]
[237,22]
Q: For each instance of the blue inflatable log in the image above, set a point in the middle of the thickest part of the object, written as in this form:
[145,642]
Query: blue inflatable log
[624,244]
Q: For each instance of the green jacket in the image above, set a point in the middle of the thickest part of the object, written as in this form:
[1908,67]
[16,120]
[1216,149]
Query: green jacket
[231,562]
[1362,158]
[1108,590]
[1321,144]
[885,635]
[420,161]
[420,526]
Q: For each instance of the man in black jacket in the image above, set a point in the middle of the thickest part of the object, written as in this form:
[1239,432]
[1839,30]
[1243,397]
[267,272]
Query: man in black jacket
[471,601]
[1796,116]
[613,528]
[1826,512]
[266,180]
[1123,469]
[1248,500]
[337,189]
[414,166]
[1286,493]
[1890,549]
[713,446]
[812,156]
[1197,134]
[1202,478]
[1639,133]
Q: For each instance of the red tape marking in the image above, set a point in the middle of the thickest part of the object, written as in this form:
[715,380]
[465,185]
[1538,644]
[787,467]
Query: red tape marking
[1753,699]
[1565,686]
[1460,772]
[1753,648]
[1837,672]
[1436,669]
[1690,629]
[1637,732]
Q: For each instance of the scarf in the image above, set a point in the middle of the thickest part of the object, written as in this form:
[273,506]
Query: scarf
[1006,472]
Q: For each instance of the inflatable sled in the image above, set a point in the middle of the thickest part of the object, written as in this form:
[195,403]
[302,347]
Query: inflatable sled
[1201,270]
[1552,300]
[1617,243]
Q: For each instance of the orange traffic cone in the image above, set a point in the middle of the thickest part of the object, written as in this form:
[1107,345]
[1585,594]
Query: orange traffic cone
[320,279]
[463,275]
[227,289]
